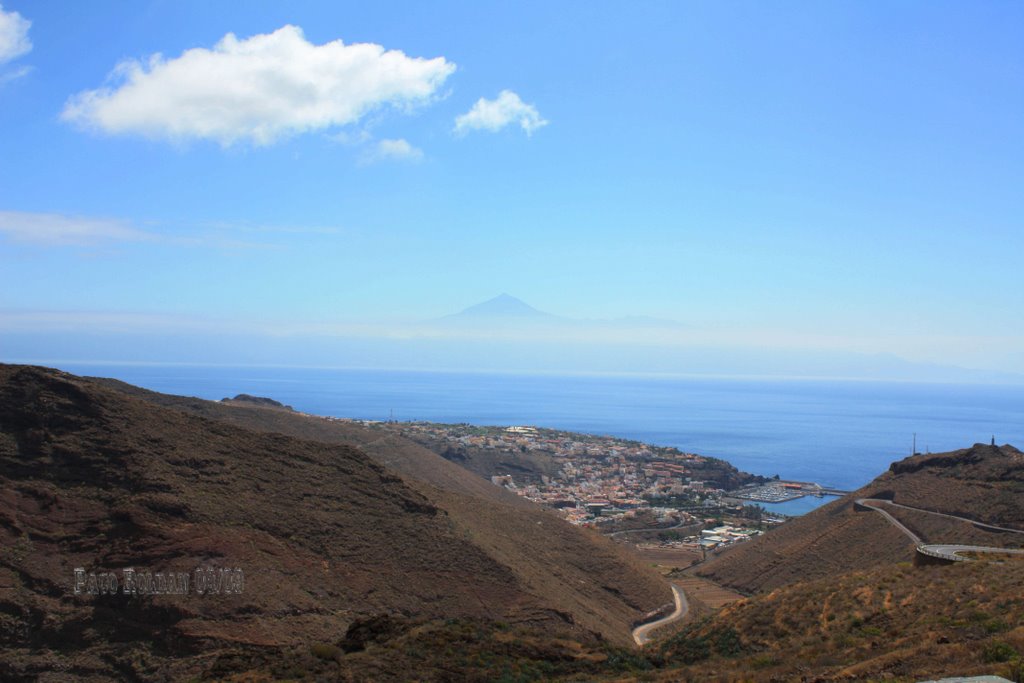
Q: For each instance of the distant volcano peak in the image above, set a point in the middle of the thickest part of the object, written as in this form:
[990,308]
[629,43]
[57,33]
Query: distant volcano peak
[503,305]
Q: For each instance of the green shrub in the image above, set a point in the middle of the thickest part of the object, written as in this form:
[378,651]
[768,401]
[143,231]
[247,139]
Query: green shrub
[996,625]
[325,651]
[623,660]
[1015,672]
[998,651]
[727,642]
[689,650]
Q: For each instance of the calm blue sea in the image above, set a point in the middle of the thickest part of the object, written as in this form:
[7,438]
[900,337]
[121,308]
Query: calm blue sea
[836,433]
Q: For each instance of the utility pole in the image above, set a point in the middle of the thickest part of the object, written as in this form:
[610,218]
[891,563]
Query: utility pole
[913,451]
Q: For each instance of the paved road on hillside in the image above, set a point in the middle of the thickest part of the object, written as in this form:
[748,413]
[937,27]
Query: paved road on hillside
[945,551]
[871,503]
[983,525]
[953,551]
[641,634]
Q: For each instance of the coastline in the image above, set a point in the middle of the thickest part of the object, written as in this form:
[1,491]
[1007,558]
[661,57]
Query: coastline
[834,433]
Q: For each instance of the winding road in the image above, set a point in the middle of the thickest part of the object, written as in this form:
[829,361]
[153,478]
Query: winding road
[641,633]
[944,551]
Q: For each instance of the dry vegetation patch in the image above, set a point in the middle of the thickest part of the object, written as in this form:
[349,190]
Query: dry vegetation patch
[897,621]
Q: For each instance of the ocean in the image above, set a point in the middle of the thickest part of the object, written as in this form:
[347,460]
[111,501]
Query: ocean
[837,433]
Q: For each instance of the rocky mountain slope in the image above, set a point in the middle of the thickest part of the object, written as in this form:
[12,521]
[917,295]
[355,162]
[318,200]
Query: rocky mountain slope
[897,622]
[983,483]
[331,524]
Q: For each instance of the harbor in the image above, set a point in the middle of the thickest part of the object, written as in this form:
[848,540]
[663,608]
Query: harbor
[779,491]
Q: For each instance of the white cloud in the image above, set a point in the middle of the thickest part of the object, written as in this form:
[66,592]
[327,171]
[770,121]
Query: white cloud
[14,74]
[53,229]
[344,137]
[393,150]
[14,40]
[259,89]
[60,230]
[260,228]
[495,114]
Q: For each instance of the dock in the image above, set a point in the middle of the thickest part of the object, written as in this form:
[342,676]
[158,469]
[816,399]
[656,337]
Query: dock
[780,491]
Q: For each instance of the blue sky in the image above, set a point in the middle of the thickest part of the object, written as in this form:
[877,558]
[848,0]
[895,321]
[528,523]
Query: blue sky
[820,176]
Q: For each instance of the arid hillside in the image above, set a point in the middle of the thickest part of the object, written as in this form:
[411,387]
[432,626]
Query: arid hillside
[899,622]
[418,465]
[983,483]
[570,567]
[98,477]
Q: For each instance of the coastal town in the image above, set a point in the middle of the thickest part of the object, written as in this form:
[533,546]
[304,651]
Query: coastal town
[584,476]
[655,497]
[652,496]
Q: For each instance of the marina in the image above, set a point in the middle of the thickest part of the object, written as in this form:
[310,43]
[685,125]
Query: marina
[783,491]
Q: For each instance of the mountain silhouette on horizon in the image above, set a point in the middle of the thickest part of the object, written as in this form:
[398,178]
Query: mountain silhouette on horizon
[501,306]
[507,311]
